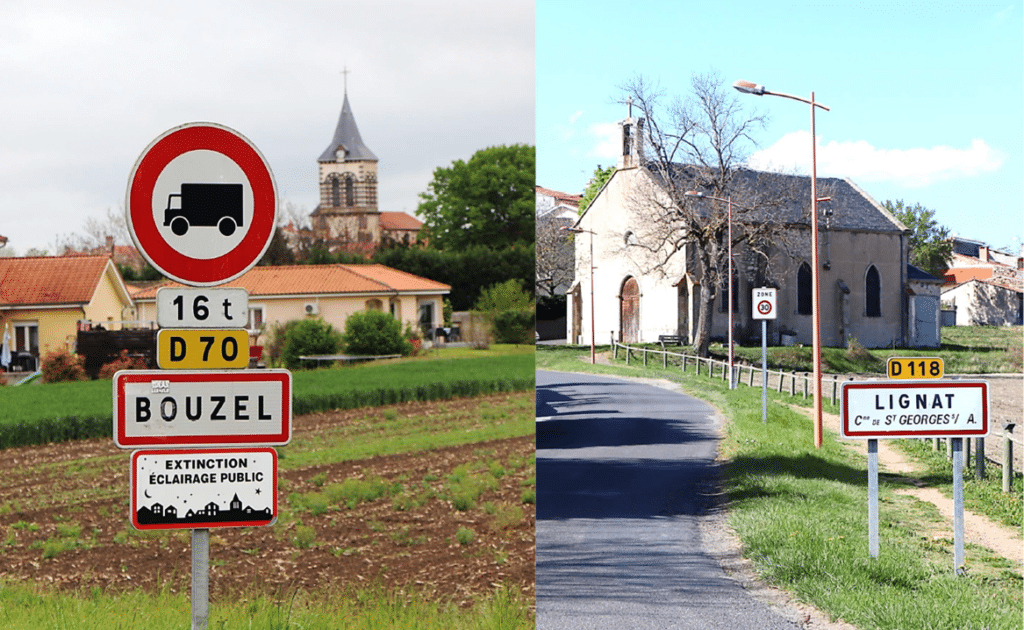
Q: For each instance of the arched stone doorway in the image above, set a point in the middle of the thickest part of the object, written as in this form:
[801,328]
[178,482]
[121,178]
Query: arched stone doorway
[629,315]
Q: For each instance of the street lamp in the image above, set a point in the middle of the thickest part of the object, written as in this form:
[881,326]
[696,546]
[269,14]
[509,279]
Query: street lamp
[694,193]
[759,90]
[577,230]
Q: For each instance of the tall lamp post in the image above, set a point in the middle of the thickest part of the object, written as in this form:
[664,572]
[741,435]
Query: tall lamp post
[759,90]
[694,193]
[577,230]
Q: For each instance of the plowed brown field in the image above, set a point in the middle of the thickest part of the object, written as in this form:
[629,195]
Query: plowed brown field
[64,520]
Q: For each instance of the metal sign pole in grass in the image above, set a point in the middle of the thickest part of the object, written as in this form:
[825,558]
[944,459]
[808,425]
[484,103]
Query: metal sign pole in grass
[873,498]
[958,504]
[764,371]
[200,578]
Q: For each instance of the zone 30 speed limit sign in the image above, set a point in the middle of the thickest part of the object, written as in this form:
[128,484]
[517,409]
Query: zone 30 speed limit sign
[764,303]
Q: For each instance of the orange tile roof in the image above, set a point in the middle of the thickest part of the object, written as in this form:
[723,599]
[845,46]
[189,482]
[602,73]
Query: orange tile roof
[571,199]
[964,274]
[399,221]
[50,279]
[322,279]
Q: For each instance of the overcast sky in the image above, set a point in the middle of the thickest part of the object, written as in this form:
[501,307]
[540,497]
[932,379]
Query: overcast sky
[88,85]
[925,95]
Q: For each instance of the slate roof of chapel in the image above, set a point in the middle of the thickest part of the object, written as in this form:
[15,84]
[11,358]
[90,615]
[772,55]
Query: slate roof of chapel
[851,207]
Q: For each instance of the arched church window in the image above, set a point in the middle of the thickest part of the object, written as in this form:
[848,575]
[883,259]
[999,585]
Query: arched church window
[335,192]
[873,293]
[803,289]
[350,191]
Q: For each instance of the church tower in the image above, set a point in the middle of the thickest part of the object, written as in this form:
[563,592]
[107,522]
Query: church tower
[347,216]
[632,133]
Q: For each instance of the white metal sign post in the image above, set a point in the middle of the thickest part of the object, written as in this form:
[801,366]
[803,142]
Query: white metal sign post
[764,309]
[906,409]
[202,207]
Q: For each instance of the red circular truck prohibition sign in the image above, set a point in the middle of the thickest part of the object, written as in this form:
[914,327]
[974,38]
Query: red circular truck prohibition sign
[202,204]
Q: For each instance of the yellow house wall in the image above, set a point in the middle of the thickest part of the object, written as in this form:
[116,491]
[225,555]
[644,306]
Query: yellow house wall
[57,327]
[108,303]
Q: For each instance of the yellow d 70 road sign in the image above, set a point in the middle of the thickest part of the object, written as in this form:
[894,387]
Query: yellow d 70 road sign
[201,349]
[915,367]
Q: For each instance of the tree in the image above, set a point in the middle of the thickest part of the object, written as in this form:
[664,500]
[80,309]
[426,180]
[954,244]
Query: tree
[94,232]
[488,200]
[554,255]
[930,247]
[597,181]
[278,252]
[697,144]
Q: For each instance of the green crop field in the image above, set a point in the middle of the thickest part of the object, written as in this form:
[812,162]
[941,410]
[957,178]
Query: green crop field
[41,413]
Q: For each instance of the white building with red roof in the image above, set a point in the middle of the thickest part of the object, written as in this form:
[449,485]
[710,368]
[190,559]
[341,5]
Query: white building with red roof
[333,292]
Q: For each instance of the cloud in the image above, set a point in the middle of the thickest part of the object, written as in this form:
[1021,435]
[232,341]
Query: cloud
[606,140]
[862,161]
[575,116]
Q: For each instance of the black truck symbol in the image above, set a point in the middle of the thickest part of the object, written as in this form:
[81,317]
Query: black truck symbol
[205,205]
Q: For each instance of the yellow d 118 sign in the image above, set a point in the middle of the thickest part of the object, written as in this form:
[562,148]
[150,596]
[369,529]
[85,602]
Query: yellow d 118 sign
[199,349]
[915,367]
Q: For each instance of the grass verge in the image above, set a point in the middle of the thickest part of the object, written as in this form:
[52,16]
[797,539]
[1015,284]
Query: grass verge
[27,607]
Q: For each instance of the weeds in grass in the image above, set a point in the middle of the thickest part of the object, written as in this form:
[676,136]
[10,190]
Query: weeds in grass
[465,536]
[303,537]
[506,516]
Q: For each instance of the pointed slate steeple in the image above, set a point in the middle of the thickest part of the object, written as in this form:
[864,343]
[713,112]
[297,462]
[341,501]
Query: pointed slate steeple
[347,139]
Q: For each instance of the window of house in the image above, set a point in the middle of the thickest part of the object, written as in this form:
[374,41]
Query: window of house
[26,337]
[873,293]
[426,318]
[255,317]
[374,305]
[803,290]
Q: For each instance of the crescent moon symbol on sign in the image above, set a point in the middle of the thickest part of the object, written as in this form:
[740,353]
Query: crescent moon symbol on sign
[145,493]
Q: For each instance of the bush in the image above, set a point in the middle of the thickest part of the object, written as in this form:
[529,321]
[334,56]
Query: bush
[61,366]
[122,362]
[505,296]
[514,327]
[375,332]
[274,342]
[306,337]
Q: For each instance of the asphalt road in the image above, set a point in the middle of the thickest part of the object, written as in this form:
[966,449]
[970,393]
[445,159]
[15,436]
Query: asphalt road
[624,472]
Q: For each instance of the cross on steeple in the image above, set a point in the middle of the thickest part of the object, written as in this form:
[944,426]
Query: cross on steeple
[345,72]
[629,104]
